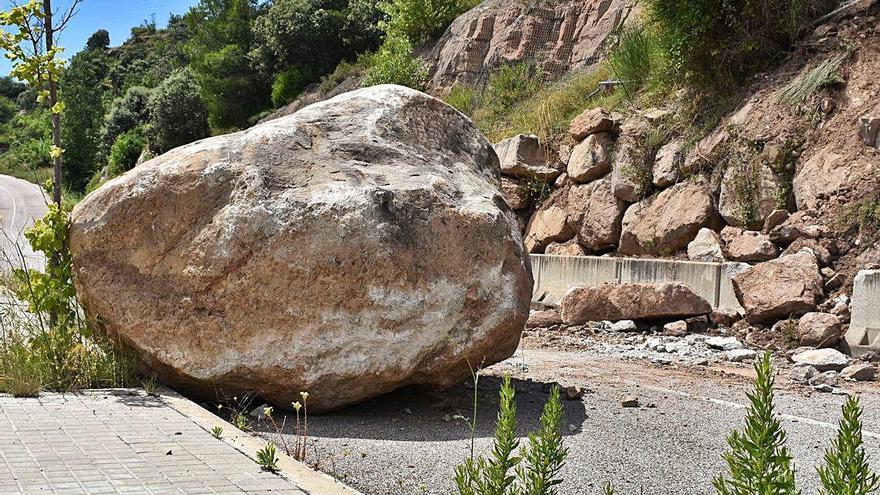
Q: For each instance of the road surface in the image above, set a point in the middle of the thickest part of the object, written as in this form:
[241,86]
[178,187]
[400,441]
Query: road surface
[20,203]
[407,442]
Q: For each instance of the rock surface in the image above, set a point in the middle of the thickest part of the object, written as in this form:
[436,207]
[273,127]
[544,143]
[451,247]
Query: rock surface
[750,247]
[590,159]
[822,359]
[774,290]
[354,247]
[667,164]
[819,330]
[549,224]
[557,37]
[631,301]
[515,193]
[668,221]
[593,121]
[522,156]
[705,247]
[598,214]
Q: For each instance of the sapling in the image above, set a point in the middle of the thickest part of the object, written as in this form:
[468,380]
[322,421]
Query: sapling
[846,470]
[759,462]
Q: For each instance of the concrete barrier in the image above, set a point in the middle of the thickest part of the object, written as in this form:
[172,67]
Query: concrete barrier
[864,327]
[555,275]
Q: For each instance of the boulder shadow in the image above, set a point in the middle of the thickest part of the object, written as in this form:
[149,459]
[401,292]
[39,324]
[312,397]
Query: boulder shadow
[419,414]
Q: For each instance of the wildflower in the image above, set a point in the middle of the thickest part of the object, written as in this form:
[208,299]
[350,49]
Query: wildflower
[296,405]
[304,395]
[267,411]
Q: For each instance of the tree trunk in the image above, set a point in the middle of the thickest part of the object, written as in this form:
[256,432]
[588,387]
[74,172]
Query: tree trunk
[53,99]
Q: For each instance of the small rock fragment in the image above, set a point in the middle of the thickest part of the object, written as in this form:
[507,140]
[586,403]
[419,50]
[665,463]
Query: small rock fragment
[822,359]
[860,372]
[724,343]
[630,401]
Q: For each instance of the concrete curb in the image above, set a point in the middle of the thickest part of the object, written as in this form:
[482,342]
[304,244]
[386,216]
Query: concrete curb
[308,480]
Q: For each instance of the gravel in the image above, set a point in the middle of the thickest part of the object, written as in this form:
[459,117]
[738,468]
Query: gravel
[409,442]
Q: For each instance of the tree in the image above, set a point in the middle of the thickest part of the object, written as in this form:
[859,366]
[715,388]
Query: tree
[127,112]
[11,88]
[221,39]
[81,86]
[177,113]
[99,40]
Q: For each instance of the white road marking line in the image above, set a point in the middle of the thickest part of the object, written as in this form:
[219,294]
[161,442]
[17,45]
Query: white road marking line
[736,405]
[14,207]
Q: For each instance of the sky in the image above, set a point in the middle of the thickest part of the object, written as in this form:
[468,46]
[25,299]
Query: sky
[116,16]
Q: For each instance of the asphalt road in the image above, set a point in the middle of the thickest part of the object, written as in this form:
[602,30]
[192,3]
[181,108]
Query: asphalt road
[408,442]
[20,203]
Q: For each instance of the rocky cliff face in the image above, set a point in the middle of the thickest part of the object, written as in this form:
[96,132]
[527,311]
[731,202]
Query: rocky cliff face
[558,36]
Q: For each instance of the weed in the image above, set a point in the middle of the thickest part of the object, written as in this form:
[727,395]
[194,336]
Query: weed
[217,432]
[846,470]
[636,58]
[463,97]
[788,328]
[267,458]
[543,457]
[608,489]
[825,74]
[151,386]
[862,216]
[759,461]
[240,421]
[537,191]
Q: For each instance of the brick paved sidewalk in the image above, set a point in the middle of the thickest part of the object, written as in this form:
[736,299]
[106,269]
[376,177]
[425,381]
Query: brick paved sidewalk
[123,441]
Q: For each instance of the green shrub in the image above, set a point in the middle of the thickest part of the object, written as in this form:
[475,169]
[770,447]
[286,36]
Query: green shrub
[464,98]
[825,74]
[422,20]
[536,472]
[288,85]
[637,58]
[126,150]
[759,463]
[846,470]
[395,63]
[717,44]
[127,112]
[177,113]
[512,83]
[342,72]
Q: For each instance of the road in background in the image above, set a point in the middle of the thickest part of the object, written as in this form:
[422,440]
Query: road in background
[21,202]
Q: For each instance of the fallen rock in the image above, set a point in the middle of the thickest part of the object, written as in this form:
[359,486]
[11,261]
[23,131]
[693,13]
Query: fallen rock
[774,219]
[523,156]
[824,382]
[706,246]
[799,225]
[544,319]
[860,372]
[593,121]
[819,330]
[574,392]
[802,374]
[632,164]
[597,214]
[667,164]
[750,247]
[623,326]
[365,236]
[590,159]
[515,193]
[569,248]
[676,328]
[749,193]
[822,254]
[630,401]
[740,355]
[822,359]
[869,130]
[631,301]
[548,224]
[724,343]
[667,222]
[774,290]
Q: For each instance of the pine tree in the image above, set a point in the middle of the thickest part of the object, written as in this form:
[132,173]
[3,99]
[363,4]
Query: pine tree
[846,470]
[759,463]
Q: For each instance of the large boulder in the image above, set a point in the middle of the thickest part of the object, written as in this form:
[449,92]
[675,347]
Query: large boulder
[631,302]
[819,330]
[633,162]
[596,213]
[356,246]
[750,246]
[749,194]
[668,221]
[523,156]
[590,159]
[515,193]
[705,247]
[549,224]
[667,164]
[774,290]
[593,121]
